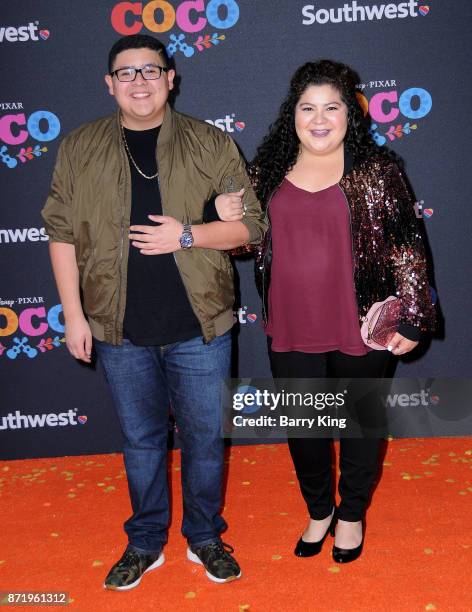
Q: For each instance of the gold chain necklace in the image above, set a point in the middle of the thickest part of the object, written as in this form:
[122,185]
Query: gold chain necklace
[131,157]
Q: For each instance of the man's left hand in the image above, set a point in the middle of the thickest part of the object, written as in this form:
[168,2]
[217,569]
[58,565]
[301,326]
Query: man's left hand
[399,345]
[157,239]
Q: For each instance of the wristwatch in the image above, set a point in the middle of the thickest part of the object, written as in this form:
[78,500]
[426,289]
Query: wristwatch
[186,240]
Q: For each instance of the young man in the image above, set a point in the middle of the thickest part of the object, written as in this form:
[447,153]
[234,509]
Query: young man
[125,222]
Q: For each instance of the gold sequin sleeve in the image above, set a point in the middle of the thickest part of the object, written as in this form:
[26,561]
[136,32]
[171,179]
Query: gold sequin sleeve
[406,251]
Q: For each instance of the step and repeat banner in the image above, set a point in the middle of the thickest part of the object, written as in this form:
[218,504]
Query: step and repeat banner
[234,59]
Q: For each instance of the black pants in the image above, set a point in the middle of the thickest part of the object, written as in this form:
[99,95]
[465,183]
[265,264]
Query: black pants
[359,458]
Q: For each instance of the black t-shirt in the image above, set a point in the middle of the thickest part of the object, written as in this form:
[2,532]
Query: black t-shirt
[158,310]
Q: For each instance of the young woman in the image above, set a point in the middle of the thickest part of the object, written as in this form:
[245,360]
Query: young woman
[342,236]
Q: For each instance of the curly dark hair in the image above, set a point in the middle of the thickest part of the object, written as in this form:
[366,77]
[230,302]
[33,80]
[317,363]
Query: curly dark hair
[280,148]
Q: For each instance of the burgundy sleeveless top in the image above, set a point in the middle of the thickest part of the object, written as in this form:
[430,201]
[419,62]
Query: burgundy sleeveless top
[312,301]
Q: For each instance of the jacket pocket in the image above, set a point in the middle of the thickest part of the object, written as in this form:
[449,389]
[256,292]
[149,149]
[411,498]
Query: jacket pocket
[215,258]
[87,268]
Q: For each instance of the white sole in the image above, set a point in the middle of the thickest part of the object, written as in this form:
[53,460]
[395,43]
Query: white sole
[191,556]
[159,561]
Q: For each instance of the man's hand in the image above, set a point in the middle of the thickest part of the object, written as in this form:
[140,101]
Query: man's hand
[79,338]
[399,345]
[157,239]
[229,206]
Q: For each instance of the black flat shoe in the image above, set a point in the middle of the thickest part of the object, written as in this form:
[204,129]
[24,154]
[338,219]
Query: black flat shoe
[310,549]
[346,555]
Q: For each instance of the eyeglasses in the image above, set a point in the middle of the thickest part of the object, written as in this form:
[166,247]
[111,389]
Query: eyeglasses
[149,72]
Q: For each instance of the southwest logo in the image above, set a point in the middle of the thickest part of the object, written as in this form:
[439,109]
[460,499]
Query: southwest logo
[30,234]
[405,400]
[23,33]
[422,213]
[82,419]
[225,124]
[353,12]
[17,420]
[243,316]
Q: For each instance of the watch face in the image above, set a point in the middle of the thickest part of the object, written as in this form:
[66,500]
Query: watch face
[186,240]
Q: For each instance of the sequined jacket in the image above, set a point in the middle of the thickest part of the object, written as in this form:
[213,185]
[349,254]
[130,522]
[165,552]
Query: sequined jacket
[388,252]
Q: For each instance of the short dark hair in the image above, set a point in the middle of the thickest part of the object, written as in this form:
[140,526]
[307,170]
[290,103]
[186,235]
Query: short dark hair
[137,41]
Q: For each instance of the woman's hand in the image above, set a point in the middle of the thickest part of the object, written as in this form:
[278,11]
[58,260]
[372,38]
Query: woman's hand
[399,345]
[229,206]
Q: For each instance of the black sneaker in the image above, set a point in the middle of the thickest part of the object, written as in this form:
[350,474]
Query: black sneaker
[127,573]
[215,557]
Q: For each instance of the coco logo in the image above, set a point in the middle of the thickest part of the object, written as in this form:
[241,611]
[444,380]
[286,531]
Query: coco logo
[386,107]
[190,16]
[15,129]
[33,322]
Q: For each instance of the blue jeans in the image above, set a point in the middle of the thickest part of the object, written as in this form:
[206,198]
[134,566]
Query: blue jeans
[144,381]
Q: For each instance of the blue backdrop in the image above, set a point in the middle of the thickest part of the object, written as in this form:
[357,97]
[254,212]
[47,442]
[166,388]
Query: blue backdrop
[234,59]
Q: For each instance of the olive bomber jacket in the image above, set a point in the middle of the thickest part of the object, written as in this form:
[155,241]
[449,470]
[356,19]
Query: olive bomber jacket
[89,206]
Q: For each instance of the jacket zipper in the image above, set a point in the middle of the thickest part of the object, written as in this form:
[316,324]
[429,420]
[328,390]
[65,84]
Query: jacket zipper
[118,331]
[350,231]
[173,254]
[269,228]
[352,250]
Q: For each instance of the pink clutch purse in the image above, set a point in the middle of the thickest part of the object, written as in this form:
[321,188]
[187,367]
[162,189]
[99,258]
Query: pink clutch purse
[381,323]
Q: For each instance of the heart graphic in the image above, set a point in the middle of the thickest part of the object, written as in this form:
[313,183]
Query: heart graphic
[428,212]
[435,399]
[240,125]
[82,419]
[252,318]
[424,10]
[44,34]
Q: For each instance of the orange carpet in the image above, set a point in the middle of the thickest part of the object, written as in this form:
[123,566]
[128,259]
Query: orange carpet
[60,530]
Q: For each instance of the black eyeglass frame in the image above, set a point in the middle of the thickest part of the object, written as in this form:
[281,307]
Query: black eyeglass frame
[140,70]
